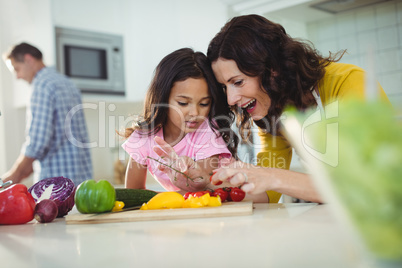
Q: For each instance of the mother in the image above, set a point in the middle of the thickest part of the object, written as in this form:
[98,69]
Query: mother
[262,70]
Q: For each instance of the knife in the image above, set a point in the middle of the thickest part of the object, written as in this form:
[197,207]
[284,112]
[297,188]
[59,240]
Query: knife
[122,210]
[125,209]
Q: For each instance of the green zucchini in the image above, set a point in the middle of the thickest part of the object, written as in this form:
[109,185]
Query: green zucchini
[133,197]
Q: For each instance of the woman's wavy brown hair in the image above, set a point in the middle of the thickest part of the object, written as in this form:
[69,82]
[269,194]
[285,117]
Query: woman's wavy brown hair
[178,66]
[288,68]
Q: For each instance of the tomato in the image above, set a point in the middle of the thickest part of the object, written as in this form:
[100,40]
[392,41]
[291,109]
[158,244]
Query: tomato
[228,190]
[222,193]
[237,194]
[186,195]
[218,183]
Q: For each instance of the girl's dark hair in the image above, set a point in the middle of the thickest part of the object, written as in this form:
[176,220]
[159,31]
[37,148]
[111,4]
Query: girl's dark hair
[178,66]
[288,68]
[18,51]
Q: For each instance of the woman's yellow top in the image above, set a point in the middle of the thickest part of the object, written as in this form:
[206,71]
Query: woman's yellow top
[340,81]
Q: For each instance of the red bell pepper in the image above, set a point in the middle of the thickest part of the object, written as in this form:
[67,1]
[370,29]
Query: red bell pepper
[16,205]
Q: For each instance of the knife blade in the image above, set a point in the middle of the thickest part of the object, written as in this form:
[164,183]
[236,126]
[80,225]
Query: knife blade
[118,211]
[126,209]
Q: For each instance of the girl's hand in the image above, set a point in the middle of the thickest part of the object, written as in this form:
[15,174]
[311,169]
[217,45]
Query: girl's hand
[183,171]
[168,154]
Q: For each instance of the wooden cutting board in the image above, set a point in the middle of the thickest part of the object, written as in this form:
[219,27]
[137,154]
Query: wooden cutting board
[226,209]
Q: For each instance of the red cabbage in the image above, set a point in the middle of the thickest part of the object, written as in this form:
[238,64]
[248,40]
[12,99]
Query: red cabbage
[59,189]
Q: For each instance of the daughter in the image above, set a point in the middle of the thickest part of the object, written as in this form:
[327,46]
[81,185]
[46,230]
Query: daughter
[186,108]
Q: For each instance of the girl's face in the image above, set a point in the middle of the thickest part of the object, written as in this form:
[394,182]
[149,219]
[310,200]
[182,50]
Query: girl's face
[242,90]
[189,105]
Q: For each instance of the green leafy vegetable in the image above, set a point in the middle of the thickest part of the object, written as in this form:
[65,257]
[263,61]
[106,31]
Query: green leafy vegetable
[367,174]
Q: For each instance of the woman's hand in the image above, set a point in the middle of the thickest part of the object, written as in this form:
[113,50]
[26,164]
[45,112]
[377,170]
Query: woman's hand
[255,180]
[183,171]
[251,179]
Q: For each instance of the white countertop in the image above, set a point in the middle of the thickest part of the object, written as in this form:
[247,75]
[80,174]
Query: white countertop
[276,235]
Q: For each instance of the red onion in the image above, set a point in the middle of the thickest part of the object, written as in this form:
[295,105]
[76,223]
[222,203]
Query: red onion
[45,211]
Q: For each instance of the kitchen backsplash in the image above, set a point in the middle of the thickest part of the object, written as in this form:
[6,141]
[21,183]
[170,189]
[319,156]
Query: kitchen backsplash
[379,27]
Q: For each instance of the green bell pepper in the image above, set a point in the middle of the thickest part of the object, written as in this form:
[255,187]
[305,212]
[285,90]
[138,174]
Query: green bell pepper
[95,197]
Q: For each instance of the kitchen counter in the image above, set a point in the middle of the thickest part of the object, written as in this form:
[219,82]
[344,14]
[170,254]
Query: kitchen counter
[276,235]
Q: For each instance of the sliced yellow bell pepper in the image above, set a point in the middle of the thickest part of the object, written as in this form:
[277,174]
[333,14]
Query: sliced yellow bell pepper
[215,201]
[118,205]
[176,200]
[165,200]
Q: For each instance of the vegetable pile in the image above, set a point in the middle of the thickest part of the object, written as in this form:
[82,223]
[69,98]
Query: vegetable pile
[59,189]
[234,194]
[44,201]
[55,197]
[207,198]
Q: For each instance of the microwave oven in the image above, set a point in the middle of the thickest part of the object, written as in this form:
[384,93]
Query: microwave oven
[94,61]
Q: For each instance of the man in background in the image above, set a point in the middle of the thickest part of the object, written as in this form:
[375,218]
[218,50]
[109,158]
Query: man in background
[56,131]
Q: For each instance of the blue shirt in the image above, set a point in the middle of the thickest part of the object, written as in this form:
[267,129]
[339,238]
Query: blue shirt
[56,132]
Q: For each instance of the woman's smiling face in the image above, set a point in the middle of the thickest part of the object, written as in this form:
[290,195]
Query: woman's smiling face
[242,90]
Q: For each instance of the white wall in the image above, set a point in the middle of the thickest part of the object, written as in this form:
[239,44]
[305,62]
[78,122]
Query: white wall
[170,25]
[20,20]
[151,29]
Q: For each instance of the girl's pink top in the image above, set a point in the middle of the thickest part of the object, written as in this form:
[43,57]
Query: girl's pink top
[201,144]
